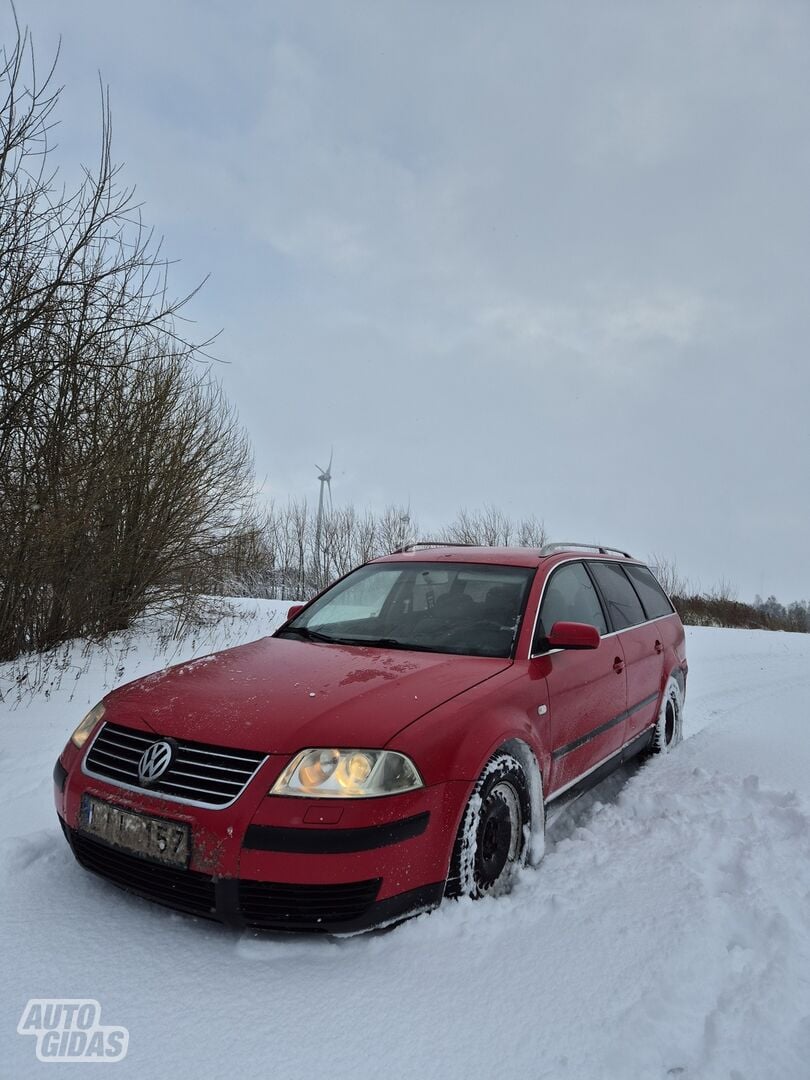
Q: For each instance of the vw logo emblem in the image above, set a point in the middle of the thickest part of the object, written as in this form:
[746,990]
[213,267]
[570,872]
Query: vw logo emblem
[154,762]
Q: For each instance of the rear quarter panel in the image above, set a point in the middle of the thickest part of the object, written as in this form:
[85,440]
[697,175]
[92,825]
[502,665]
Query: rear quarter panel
[673,638]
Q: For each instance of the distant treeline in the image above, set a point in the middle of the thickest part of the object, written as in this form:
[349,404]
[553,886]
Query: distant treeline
[710,610]
[720,605]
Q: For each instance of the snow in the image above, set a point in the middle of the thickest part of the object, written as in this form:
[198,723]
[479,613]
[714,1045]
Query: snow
[665,934]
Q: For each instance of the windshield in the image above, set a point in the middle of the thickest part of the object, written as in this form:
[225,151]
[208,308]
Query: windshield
[467,608]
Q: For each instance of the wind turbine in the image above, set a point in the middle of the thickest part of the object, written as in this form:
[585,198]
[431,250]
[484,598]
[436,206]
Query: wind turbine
[325,478]
[404,526]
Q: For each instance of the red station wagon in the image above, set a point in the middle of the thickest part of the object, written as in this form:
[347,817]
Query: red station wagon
[401,738]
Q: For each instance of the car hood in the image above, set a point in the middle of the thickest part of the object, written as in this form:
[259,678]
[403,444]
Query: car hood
[278,695]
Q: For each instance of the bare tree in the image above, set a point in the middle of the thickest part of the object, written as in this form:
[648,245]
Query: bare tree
[666,570]
[122,469]
[298,562]
[492,528]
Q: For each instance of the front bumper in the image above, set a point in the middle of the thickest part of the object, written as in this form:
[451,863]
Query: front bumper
[281,863]
[337,909]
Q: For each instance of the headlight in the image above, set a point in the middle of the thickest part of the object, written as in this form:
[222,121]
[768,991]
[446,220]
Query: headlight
[83,731]
[347,774]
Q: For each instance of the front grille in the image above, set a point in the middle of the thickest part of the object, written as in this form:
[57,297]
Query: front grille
[181,889]
[199,772]
[300,907]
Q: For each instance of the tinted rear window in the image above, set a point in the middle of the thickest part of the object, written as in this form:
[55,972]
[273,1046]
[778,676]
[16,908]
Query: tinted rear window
[624,607]
[652,595]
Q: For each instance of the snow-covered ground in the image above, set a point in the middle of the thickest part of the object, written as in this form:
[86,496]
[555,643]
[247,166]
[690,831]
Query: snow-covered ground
[666,933]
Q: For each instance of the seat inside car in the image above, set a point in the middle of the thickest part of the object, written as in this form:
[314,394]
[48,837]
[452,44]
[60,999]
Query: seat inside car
[454,605]
[501,604]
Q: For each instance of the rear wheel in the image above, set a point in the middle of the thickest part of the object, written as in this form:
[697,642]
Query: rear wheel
[669,726]
[491,842]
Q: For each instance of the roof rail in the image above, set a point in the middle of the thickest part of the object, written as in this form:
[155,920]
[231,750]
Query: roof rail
[429,544]
[550,549]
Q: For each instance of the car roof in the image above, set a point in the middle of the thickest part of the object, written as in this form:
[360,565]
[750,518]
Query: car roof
[499,556]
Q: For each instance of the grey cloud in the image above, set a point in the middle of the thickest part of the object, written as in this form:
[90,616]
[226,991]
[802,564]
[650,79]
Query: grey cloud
[548,256]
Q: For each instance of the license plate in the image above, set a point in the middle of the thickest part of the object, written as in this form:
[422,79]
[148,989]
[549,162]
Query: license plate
[151,837]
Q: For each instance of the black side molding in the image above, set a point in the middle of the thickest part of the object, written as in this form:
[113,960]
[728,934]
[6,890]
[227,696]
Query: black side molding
[561,751]
[59,775]
[305,841]
[636,746]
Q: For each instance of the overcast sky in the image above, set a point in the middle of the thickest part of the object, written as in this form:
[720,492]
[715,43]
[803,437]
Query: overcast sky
[549,256]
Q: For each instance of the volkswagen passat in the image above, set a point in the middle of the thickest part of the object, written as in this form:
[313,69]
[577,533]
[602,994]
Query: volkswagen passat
[398,740]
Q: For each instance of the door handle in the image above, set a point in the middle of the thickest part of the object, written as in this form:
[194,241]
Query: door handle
[659,648]
[618,665]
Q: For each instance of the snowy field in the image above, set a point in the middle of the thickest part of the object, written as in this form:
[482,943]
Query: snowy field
[666,934]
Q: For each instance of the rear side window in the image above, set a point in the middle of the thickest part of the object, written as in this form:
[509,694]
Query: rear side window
[652,595]
[624,606]
[569,597]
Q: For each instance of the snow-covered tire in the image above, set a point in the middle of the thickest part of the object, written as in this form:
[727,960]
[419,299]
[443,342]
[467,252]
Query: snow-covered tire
[669,725]
[491,844]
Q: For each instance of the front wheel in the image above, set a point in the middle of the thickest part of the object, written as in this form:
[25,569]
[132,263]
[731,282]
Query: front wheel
[669,726]
[491,842]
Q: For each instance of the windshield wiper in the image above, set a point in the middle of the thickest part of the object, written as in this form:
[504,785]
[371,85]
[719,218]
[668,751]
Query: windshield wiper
[372,643]
[308,635]
[386,643]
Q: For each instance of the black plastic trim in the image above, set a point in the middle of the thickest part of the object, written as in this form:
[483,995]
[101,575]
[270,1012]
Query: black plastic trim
[561,751]
[396,908]
[305,841]
[59,775]
[379,914]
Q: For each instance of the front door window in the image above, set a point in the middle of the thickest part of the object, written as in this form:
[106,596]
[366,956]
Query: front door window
[569,597]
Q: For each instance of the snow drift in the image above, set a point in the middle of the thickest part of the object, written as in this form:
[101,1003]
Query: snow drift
[666,933]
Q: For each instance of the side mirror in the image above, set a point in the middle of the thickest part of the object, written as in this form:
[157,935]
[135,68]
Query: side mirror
[294,611]
[573,635]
